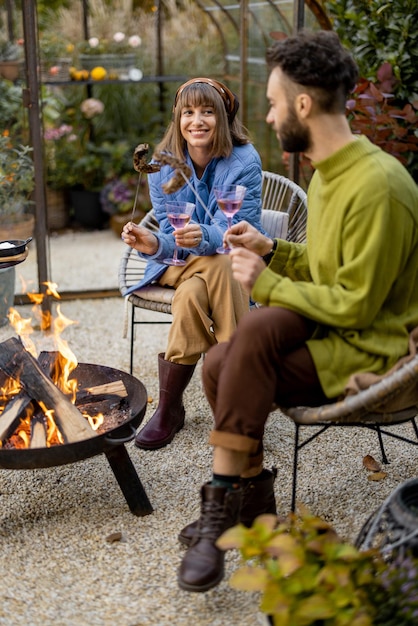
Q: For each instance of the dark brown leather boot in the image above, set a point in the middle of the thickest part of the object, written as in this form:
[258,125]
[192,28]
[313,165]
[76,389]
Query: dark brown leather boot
[202,566]
[257,499]
[168,419]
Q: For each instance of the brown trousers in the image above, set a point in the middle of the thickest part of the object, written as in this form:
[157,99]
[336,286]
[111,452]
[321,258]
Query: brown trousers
[206,307]
[266,361]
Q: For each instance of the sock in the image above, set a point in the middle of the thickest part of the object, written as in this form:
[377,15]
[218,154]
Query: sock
[253,479]
[229,482]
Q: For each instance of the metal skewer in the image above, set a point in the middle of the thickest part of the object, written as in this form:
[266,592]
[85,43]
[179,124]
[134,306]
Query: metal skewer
[136,196]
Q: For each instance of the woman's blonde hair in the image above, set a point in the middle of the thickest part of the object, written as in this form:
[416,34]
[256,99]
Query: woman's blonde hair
[198,92]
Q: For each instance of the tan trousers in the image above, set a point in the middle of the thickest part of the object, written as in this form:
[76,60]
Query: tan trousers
[206,307]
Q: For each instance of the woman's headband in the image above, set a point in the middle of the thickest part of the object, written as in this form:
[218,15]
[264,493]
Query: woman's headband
[229,99]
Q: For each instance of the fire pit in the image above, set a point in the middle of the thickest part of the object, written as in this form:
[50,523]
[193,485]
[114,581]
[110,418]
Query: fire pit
[120,397]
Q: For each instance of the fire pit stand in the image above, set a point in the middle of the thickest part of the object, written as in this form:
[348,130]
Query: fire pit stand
[129,481]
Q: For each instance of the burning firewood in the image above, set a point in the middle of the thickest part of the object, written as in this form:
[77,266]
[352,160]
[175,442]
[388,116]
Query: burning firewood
[38,431]
[98,392]
[10,417]
[16,362]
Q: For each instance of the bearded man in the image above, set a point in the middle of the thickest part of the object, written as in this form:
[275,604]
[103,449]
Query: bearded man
[344,302]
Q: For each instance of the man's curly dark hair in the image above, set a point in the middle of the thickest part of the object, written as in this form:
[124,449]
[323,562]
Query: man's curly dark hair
[317,61]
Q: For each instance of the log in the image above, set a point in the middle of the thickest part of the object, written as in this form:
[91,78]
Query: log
[10,416]
[16,361]
[38,430]
[99,392]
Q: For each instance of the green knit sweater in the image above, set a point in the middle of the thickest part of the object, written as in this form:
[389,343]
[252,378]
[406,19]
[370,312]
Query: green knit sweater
[357,275]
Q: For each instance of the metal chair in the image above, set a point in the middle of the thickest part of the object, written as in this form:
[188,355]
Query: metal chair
[369,408]
[279,196]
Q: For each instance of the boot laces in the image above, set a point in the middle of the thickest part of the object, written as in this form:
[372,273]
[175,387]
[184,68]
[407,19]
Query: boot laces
[212,520]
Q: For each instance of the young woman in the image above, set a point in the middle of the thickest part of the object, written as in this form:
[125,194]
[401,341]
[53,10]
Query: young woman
[206,134]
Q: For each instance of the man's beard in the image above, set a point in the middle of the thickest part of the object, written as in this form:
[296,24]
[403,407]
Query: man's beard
[293,136]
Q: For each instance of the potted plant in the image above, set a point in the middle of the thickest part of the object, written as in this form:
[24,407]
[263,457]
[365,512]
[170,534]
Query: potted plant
[10,59]
[307,575]
[17,181]
[117,55]
[81,159]
[56,56]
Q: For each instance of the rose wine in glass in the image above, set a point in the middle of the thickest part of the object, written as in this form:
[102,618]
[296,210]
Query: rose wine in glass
[178,214]
[229,199]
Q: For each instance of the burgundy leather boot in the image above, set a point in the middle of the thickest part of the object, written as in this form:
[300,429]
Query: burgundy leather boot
[168,419]
[202,566]
[257,499]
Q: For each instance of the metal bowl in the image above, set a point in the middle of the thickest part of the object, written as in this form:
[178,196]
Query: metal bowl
[19,246]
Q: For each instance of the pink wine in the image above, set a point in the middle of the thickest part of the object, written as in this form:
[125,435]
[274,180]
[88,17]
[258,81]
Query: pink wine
[178,220]
[229,207]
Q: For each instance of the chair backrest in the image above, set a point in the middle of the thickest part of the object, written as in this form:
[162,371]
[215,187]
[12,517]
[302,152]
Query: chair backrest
[282,194]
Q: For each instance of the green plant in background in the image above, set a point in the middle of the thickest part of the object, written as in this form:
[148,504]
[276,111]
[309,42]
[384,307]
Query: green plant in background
[10,51]
[397,599]
[77,155]
[379,31]
[54,46]
[17,178]
[12,113]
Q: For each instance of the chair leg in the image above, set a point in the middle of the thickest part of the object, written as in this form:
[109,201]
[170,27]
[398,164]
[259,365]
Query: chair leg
[414,425]
[131,360]
[295,468]
[382,447]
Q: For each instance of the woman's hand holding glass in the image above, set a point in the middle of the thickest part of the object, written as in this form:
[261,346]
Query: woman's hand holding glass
[179,215]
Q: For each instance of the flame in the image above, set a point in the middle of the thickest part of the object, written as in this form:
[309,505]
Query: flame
[11,387]
[52,327]
[23,328]
[95,421]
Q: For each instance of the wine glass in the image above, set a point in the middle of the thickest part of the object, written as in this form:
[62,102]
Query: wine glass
[229,199]
[178,214]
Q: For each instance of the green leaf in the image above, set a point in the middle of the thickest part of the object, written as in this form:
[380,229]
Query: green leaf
[316,607]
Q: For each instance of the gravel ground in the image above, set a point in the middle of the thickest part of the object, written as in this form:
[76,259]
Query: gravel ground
[57,567]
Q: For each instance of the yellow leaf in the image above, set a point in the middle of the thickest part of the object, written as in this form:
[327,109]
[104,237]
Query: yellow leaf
[377,476]
[249,579]
[232,538]
[268,521]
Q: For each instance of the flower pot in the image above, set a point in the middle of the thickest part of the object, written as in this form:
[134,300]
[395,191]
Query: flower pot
[57,208]
[87,209]
[10,69]
[113,63]
[23,228]
[56,71]
[393,528]
[7,292]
